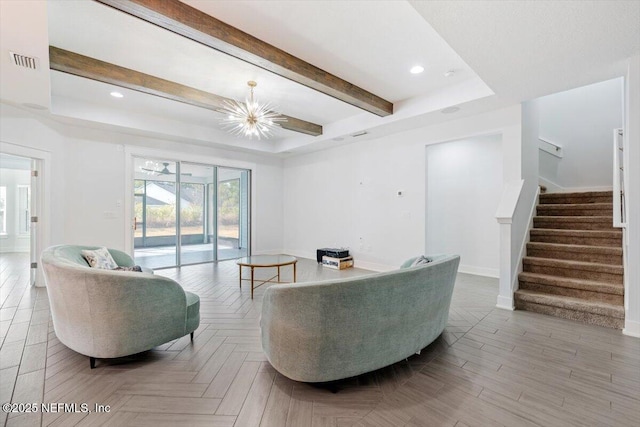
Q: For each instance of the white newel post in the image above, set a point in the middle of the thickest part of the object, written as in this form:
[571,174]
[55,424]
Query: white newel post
[505,293]
[504,215]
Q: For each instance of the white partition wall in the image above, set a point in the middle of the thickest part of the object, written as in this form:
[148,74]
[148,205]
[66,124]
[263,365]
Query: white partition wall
[464,183]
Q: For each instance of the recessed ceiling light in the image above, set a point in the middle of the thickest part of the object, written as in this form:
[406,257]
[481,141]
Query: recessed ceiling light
[450,110]
[416,69]
[116,94]
[449,73]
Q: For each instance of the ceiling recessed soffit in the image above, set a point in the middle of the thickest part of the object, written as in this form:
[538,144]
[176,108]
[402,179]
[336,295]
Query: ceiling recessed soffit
[91,68]
[195,25]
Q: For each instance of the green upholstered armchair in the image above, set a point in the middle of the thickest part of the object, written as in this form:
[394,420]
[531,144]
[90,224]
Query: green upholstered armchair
[107,314]
[330,330]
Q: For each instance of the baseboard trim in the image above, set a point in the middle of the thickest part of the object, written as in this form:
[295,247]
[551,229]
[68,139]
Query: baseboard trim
[552,187]
[379,268]
[480,271]
[300,254]
[365,265]
[505,303]
[269,252]
[631,328]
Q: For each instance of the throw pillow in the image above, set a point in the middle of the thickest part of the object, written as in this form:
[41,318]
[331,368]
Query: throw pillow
[132,268]
[99,258]
[420,260]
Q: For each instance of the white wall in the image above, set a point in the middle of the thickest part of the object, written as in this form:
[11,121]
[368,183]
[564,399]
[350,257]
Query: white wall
[88,188]
[12,241]
[464,183]
[523,215]
[21,131]
[519,198]
[346,196]
[581,121]
[632,162]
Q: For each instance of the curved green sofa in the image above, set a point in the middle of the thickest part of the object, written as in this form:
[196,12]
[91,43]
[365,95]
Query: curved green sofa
[106,314]
[330,330]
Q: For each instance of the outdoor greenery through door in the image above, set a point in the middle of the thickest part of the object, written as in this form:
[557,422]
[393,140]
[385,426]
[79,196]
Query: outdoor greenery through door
[188,213]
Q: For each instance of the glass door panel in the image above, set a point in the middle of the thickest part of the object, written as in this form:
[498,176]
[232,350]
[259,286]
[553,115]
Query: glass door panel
[245,212]
[155,246]
[232,213]
[188,213]
[139,209]
[196,227]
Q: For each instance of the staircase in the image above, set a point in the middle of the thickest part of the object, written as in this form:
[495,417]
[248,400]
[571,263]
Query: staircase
[573,268]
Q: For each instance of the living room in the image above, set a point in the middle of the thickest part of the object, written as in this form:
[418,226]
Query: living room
[368,193]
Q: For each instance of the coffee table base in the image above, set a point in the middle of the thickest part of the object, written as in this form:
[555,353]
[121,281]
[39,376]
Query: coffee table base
[269,280]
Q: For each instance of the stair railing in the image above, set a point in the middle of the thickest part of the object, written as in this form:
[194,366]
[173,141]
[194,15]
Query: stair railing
[619,208]
[550,147]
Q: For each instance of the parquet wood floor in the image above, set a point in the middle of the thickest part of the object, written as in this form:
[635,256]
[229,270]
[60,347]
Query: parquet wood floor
[489,368]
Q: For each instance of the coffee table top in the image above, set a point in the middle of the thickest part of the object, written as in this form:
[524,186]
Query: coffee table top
[267,260]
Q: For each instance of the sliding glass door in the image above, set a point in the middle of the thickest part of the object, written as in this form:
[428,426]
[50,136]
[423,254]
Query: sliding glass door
[155,231]
[233,214]
[188,213]
[196,225]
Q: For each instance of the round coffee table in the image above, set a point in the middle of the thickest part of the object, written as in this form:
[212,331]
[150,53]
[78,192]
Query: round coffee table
[266,261]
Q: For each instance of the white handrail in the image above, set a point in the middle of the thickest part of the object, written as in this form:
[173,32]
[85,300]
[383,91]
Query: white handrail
[550,147]
[619,217]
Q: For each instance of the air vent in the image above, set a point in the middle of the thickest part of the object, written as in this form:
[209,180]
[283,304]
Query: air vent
[24,61]
[450,110]
[355,135]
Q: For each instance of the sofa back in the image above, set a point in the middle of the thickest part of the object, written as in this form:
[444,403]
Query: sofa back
[328,330]
[105,313]
[72,254]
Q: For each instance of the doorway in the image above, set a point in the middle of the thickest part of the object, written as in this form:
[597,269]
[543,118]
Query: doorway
[18,190]
[189,213]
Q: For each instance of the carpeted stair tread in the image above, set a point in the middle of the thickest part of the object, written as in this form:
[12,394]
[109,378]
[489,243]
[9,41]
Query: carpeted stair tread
[572,283]
[569,218]
[610,234]
[610,238]
[586,253]
[580,316]
[575,209]
[568,303]
[578,198]
[599,222]
[577,265]
[577,248]
[579,194]
[575,269]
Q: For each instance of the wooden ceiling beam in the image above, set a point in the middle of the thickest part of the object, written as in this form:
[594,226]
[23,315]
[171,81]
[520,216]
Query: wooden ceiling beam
[196,25]
[94,69]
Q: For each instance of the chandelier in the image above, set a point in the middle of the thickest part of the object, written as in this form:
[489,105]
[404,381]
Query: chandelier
[250,118]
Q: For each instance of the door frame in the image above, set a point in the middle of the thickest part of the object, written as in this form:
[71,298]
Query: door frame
[42,197]
[129,176]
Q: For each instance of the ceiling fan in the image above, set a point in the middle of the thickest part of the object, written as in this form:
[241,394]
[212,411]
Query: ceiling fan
[164,171]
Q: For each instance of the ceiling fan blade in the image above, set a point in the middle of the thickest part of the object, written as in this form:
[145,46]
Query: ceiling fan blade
[164,171]
[153,171]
